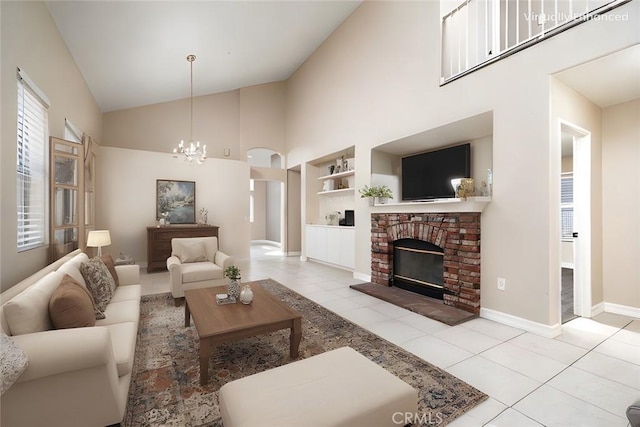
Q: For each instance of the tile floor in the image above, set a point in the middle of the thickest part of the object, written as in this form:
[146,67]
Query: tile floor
[585,377]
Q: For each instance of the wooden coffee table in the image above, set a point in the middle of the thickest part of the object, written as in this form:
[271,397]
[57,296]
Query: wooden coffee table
[222,323]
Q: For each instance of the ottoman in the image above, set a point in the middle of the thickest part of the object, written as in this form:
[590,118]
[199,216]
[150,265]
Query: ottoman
[337,388]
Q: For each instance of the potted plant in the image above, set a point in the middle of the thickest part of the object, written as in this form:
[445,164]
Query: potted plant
[233,273]
[379,192]
[383,193]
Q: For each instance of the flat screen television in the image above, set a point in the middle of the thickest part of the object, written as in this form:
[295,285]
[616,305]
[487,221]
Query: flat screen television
[428,175]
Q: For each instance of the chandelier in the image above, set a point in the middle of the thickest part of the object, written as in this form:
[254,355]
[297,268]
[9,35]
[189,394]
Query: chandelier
[191,151]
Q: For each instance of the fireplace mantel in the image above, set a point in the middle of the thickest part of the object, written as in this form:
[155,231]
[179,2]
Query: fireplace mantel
[471,204]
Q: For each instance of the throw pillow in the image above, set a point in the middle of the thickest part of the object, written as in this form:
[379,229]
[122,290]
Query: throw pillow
[13,362]
[99,281]
[193,252]
[111,266]
[71,305]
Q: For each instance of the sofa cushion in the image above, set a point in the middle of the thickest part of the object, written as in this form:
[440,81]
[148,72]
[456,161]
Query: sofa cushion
[123,341]
[28,311]
[111,266]
[199,271]
[13,362]
[120,312]
[71,305]
[99,281]
[124,293]
[72,267]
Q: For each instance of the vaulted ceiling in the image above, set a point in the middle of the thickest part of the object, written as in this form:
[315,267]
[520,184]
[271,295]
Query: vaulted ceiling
[133,53]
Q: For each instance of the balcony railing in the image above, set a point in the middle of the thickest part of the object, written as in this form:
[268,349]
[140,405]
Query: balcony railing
[478,32]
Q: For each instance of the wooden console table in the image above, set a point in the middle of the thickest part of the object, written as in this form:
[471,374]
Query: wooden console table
[159,241]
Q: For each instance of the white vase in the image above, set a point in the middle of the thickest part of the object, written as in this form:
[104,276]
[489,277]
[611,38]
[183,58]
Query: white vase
[246,296]
[234,288]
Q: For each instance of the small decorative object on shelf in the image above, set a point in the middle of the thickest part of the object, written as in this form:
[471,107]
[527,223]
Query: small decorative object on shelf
[233,273]
[203,216]
[246,295]
[466,188]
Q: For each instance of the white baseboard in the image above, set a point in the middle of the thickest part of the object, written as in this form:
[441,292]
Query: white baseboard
[625,310]
[294,253]
[566,265]
[597,309]
[520,323]
[361,276]
[267,242]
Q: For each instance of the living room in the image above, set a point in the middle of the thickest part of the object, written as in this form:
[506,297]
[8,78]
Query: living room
[367,85]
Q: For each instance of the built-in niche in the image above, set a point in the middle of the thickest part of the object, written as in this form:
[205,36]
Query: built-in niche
[386,159]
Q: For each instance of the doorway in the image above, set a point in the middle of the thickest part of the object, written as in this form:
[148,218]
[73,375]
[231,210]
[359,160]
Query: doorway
[266,203]
[575,212]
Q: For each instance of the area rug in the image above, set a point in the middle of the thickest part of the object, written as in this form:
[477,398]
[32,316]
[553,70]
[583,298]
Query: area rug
[165,388]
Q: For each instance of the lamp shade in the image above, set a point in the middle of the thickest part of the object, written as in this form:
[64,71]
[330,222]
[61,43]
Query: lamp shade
[98,238]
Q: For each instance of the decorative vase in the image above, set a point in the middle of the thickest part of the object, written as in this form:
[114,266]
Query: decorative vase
[233,289]
[246,296]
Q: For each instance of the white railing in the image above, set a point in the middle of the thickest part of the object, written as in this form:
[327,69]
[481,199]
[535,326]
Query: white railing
[478,32]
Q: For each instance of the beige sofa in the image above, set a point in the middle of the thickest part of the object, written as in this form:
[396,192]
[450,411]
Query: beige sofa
[78,376]
[195,262]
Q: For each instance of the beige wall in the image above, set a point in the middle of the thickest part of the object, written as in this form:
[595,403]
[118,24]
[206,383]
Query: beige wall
[238,120]
[258,231]
[371,83]
[159,127]
[262,117]
[621,203]
[30,41]
[127,200]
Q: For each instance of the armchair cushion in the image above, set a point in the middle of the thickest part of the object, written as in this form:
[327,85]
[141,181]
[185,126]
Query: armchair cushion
[193,252]
[194,249]
[199,271]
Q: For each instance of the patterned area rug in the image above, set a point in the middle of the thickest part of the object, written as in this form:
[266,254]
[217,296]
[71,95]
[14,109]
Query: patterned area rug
[166,389]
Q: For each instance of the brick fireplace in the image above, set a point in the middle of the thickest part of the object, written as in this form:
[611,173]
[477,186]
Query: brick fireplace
[457,233]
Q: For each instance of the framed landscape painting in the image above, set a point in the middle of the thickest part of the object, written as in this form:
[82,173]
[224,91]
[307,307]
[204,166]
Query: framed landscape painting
[176,201]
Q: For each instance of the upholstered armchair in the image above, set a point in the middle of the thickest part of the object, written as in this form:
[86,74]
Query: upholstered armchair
[195,262]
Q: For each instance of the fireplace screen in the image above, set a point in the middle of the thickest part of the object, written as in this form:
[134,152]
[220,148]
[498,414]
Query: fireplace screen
[418,267]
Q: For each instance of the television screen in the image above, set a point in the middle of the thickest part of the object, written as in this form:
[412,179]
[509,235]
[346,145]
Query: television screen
[428,175]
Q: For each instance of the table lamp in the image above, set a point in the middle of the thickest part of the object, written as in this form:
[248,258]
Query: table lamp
[98,238]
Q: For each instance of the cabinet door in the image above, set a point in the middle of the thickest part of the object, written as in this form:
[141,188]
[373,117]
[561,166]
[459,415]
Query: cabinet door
[348,248]
[321,243]
[334,245]
[311,242]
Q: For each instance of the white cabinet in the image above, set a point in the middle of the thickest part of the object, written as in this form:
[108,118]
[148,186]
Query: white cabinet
[332,244]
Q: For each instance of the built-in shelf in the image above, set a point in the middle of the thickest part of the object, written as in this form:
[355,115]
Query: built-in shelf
[470,204]
[337,175]
[338,192]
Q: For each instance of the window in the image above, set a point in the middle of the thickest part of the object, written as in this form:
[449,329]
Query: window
[566,205]
[31,164]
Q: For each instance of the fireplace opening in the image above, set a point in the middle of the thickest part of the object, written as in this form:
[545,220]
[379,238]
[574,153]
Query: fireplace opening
[418,266]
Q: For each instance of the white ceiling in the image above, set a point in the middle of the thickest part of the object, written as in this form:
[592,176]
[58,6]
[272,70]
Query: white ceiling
[607,81]
[133,53]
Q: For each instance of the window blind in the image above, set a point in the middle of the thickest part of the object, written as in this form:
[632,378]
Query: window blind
[566,204]
[31,164]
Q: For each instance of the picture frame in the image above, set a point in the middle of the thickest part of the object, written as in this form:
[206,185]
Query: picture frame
[176,201]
